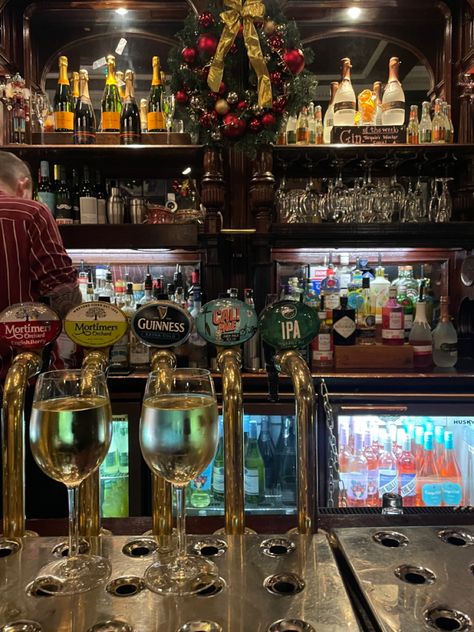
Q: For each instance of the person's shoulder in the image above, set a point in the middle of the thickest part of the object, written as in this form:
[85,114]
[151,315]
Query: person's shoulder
[20,207]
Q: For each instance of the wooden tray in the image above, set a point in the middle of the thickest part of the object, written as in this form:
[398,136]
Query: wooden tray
[373,357]
[105,138]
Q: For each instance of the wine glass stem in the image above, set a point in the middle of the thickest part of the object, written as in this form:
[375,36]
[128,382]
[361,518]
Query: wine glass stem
[73,505]
[181,520]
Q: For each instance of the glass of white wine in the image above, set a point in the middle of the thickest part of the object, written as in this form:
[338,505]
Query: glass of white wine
[178,439]
[70,433]
[168,107]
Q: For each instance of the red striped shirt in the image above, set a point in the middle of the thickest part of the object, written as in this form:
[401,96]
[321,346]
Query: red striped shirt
[33,260]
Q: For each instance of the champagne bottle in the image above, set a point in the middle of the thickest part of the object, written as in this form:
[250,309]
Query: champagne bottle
[155,118]
[329,115]
[111,102]
[84,116]
[75,89]
[120,84]
[254,468]
[445,338]
[393,101]
[130,132]
[63,106]
[345,100]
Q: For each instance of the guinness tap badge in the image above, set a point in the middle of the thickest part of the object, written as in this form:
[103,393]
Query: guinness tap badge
[162,325]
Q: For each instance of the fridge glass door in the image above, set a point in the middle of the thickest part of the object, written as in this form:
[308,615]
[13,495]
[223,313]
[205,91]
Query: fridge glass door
[114,472]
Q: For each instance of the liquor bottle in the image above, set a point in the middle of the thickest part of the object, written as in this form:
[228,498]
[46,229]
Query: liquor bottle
[388,475]
[322,347]
[101,196]
[344,455]
[439,124]
[393,332]
[344,272]
[267,450]
[366,316]
[393,101]
[379,288]
[445,338]
[291,130]
[148,289]
[46,195]
[450,128]
[425,128]
[108,289]
[82,278]
[413,129]
[63,106]
[111,101]
[144,116]
[450,475]
[120,84]
[252,346]
[288,468]
[84,116]
[377,90]
[345,99]
[428,487]
[75,196]
[218,469]
[330,289]
[63,207]
[254,468]
[421,339]
[130,129]
[328,123]
[302,127]
[405,277]
[197,345]
[120,352]
[311,125]
[87,200]
[281,138]
[344,326]
[155,118]
[357,476]
[318,126]
[372,471]
[408,309]
[406,465]
[75,89]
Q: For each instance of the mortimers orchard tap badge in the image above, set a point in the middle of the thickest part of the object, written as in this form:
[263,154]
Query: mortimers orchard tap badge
[226,322]
[29,325]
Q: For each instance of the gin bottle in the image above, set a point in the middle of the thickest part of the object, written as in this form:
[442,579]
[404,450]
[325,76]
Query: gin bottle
[439,124]
[413,126]
[393,101]
[345,99]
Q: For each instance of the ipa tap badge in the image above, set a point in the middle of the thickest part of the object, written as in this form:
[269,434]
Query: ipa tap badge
[96,324]
[288,325]
[226,322]
[29,325]
[162,324]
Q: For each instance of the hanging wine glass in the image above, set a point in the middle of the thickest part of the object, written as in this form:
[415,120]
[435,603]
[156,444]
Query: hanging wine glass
[445,204]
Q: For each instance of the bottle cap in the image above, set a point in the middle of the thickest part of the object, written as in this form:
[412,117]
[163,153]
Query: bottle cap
[392,501]
[365,283]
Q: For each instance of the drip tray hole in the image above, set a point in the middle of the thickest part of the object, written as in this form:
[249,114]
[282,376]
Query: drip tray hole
[112,625]
[23,625]
[125,586]
[142,547]
[200,626]
[390,539]
[290,625]
[276,547]
[447,619]
[284,584]
[456,537]
[417,575]
[212,590]
[8,547]
[44,587]
[210,547]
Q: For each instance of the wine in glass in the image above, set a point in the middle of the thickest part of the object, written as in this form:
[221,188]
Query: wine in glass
[168,106]
[70,433]
[178,439]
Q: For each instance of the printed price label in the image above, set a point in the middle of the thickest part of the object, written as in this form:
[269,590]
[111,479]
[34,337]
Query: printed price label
[29,325]
[121,46]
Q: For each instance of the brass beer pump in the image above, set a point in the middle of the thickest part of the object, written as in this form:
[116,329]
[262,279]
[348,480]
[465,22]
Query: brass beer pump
[28,328]
[287,326]
[227,323]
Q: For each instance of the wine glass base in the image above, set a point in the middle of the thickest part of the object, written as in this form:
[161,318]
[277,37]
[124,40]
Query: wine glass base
[73,575]
[182,576]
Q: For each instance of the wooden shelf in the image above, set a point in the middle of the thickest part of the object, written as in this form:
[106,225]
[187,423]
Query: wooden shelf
[131,236]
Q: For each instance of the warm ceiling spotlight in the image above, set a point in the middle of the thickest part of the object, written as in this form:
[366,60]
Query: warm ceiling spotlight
[354,12]
[186,172]
[121,11]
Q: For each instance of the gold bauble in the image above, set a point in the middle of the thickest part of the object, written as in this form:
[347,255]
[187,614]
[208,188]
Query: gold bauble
[269,27]
[222,107]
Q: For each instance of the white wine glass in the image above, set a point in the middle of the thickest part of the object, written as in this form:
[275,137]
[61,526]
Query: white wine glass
[168,107]
[70,433]
[178,439]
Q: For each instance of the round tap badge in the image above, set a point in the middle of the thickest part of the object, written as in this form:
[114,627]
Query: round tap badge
[288,325]
[96,324]
[226,322]
[29,325]
[161,325]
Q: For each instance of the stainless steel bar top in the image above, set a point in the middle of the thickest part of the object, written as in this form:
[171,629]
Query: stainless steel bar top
[413,578]
[267,584]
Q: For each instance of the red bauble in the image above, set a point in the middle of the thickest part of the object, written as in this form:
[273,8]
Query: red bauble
[182,97]
[276,78]
[255,125]
[213,95]
[208,119]
[189,55]
[222,88]
[242,105]
[276,41]
[294,60]
[234,127]
[206,20]
[269,120]
[207,43]
[279,104]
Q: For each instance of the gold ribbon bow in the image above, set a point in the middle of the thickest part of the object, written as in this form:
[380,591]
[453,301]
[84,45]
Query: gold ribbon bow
[245,11]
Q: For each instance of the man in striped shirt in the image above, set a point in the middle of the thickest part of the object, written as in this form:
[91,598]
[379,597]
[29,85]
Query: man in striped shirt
[33,261]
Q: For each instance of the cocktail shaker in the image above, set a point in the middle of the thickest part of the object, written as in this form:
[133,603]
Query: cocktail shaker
[137,210]
[115,207]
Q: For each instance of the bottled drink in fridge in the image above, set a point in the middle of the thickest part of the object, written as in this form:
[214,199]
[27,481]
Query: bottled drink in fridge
[428,486]
[199,489]
[254,468]
[345,99]
[357,476]
[372,471]
[450,474]
[218,470]
[388,474]
[267,450]
[344,455]
[393,101]
[445,338]
[407,474]
[286,456]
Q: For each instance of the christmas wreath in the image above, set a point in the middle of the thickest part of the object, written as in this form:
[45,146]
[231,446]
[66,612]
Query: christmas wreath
[236,73]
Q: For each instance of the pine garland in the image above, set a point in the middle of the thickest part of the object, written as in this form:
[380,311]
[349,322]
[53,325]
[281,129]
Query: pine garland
[232,117]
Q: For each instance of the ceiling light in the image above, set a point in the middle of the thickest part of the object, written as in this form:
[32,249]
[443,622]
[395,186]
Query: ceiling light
[354,12]
[186,172]
[121,11]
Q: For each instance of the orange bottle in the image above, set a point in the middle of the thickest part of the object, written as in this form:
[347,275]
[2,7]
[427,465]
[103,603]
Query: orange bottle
[428,487]
[373,471]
